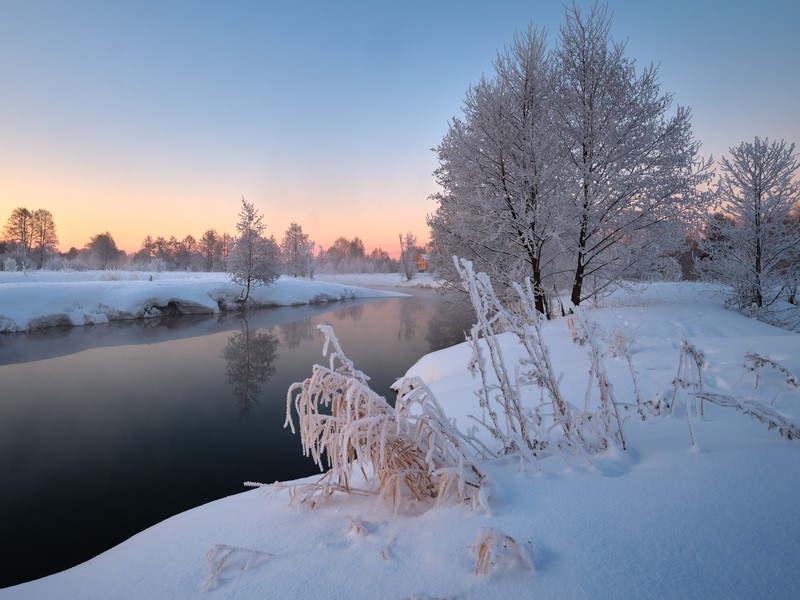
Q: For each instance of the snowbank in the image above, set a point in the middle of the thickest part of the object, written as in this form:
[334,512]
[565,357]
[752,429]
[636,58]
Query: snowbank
[420,280]
[655,522]
[36,299]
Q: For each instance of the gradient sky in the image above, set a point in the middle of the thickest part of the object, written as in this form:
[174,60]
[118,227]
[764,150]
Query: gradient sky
[156,117]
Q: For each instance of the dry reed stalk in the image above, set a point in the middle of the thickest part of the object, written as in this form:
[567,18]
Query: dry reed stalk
[497,551]
[412,447]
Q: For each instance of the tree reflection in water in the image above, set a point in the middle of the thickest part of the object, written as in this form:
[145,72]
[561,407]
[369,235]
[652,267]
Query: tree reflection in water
[250,356]
[295,333]
[450,324]
[408,322]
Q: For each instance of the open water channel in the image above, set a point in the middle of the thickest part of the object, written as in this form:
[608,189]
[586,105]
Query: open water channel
[106,430]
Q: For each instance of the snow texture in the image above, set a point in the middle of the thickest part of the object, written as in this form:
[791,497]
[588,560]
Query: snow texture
[665,519]
[37,299]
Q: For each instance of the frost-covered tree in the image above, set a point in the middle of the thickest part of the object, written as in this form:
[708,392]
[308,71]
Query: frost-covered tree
[18,230]
[498,168]
[380,261]
[345,256]
[756,247]
[254,258]
[408,255]
[210,249]
[44,241]
[566,168]
[298,252]
[102,250]
[632,167]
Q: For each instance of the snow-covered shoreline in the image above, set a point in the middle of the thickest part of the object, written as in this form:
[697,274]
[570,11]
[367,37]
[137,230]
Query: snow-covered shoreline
[663,520]
[38,299]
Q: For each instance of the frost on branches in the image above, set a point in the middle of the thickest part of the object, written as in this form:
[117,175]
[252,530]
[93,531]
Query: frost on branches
[254,258]
[555,425]
[411,448]
[754,246]
[298,252]
[568,168]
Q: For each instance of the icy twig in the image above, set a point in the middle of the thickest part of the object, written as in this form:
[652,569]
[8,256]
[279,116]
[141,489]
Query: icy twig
[758,411]
[223,556]
[757,361]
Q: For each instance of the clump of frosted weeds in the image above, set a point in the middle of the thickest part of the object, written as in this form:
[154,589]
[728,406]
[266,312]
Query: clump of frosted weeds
[754,362]
[224,558]
[409,448]
[555,425]
[497,552]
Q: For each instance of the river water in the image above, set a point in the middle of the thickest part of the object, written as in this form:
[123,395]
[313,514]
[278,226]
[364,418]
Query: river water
[106,430]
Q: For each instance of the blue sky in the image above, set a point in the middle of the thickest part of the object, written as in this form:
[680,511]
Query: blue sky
[155,117]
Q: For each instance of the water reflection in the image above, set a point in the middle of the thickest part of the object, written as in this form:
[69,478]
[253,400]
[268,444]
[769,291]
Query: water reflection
[449,324]
[409,314]
[249,356]
[297,332]
[352,313]
[144,422]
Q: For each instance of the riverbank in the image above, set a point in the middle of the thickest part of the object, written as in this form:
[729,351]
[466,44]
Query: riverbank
[663,519]
[38,299]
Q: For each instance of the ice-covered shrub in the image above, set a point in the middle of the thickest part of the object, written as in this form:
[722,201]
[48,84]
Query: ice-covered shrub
[409,448]
[10,263]
[157,265]
[556,424]
[690,380]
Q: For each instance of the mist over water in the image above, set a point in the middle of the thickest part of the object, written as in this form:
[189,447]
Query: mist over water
[107,430]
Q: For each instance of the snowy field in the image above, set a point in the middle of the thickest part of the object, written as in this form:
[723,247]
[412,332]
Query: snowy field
[420,280]
[662,520]
[36,299]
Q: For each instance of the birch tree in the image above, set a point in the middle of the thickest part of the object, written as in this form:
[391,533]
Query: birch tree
[566,168]
[298,252]
[498,167]
[18,230]
[756,248]
[44,241]
[408,255]
[633,168]
[255,258]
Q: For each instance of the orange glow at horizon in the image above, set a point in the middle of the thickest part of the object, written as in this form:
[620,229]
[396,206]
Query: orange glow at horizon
[130,213]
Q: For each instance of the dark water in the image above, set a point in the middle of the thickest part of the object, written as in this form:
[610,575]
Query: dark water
[109,429]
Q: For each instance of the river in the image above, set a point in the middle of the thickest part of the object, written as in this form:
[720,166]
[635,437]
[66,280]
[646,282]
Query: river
[106,430]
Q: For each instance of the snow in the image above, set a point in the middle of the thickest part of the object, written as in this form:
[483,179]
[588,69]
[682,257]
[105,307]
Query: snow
[420,280]
[35,299]
[658,521]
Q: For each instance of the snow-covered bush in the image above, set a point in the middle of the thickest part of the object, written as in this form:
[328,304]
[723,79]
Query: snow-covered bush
[10,264]
[556,425]
[157,265]
[411,447]
[58,263]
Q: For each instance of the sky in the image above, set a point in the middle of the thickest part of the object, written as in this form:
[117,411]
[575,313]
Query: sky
[155,118]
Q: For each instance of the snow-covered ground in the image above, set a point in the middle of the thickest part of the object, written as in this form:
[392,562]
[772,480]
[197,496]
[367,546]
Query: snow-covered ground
[420,280]
[35,299]
[662,520]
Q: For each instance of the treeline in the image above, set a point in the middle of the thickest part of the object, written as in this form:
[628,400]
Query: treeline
[30,242]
